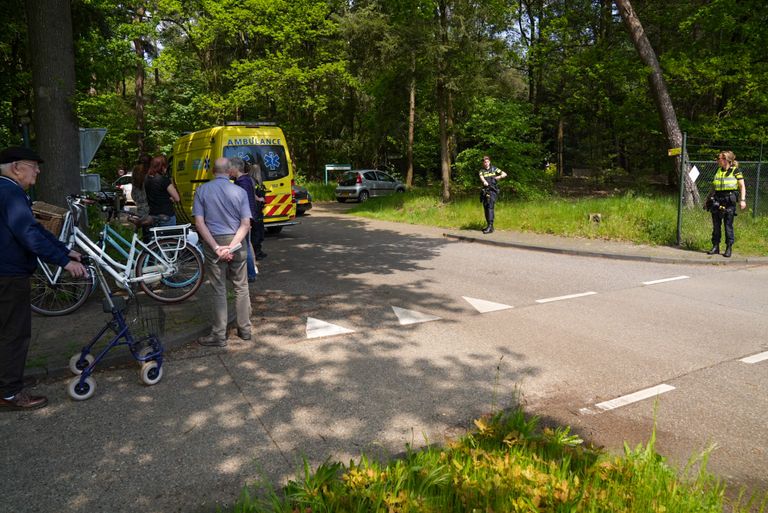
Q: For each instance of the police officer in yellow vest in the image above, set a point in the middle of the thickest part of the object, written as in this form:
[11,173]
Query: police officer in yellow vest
[727,191]
[489,175]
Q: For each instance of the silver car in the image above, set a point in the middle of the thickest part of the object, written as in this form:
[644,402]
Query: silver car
[361,184]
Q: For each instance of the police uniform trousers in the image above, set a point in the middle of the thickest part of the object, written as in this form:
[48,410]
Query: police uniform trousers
[723,217]
[489,202]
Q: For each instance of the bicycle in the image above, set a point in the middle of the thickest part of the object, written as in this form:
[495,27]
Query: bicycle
[167,268]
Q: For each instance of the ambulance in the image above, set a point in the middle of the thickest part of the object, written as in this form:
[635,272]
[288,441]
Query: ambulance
[262,143]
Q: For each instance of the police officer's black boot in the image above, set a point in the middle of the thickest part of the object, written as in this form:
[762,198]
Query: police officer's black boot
[489,228]
[715,250]
[728,249]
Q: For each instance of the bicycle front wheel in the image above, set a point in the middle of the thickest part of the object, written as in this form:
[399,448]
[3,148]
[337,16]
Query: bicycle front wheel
[175,287]
[60,298]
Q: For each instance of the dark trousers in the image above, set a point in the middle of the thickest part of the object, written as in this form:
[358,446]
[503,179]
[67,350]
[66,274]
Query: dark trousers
[488,204]
[257,235]
[15,332]
[723,217]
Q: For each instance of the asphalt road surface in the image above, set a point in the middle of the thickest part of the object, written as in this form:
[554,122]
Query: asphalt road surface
[574,336]
[370,336]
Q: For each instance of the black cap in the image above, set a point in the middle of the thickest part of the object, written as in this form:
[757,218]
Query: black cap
[16,153]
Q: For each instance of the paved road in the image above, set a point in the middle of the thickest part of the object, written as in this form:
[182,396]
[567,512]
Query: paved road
[633,325]
[568,334]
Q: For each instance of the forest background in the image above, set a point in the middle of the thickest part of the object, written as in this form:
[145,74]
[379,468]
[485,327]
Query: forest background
[376,83]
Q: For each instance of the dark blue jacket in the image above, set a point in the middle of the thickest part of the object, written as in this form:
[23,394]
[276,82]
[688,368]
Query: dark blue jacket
[22,238]
[246,182]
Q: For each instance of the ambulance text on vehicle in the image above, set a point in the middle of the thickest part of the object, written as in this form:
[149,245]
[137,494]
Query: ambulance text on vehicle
[258,143]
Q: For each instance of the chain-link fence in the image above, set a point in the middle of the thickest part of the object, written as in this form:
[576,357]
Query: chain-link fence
[695,225]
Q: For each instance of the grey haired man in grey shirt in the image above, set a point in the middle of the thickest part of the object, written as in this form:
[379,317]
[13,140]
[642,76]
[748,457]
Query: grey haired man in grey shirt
[223,220]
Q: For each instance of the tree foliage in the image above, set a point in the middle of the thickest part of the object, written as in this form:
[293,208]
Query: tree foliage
[527,81]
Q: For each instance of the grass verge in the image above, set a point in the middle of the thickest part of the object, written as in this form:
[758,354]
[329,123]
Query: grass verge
[641,219]
[507,464]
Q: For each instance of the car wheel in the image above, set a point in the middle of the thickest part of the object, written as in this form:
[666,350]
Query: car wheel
[274,230]
[399,191]
[363,196]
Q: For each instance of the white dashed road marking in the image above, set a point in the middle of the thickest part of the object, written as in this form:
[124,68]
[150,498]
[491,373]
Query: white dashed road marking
[483,306]
[633,398]
[317,328]
[759,357]
[654,282]
[412,317]
[560,298]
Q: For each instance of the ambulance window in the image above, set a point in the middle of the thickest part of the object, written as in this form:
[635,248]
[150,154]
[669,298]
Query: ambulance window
[271,159]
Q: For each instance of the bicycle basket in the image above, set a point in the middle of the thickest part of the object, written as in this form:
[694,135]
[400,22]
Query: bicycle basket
[50,216]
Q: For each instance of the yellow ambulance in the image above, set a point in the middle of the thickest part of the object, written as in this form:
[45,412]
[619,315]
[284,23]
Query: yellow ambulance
[261,143]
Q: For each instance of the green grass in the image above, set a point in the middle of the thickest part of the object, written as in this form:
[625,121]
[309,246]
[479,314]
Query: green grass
[509,463]
[642,219]
[320,191]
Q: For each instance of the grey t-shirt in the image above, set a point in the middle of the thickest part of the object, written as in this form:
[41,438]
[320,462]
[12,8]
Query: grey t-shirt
[222,204]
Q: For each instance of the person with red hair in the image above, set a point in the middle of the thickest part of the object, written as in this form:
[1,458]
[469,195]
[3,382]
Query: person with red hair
[160,191]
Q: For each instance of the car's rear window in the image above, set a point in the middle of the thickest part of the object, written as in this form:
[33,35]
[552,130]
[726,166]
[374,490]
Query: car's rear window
[349,178]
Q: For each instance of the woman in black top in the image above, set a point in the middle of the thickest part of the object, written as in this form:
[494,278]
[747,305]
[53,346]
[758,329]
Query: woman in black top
[161,193]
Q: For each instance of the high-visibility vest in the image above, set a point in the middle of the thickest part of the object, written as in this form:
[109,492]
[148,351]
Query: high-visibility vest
[727,180]
[490,174]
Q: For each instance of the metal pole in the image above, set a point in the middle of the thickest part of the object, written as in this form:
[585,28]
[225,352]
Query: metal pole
[683,158]
[757,182]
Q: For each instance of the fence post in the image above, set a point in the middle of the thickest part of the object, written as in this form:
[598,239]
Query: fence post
[757,182]
[683,158]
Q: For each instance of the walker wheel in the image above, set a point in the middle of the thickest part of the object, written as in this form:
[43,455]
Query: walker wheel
[151,372]
[78,363]
[81,391]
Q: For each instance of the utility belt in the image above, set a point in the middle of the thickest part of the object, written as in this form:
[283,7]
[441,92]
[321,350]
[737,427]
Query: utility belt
[722,201]
[488,193]
[728,197]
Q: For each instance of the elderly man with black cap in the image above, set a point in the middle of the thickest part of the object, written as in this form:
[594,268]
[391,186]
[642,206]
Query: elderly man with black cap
[22,239]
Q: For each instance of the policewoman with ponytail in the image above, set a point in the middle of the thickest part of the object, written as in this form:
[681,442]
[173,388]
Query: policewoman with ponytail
[727,191]
[489,176]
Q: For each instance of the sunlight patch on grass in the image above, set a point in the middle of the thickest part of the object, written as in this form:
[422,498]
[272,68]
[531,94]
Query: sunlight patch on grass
[509,463]
[633,218]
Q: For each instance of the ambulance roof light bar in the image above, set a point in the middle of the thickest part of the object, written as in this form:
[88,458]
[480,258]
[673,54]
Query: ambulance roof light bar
[250,124]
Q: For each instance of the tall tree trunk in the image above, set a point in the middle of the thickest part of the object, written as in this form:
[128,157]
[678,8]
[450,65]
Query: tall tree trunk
[411,122]
[139,92]
[561,148]
[442,105]
[660,94]
[52,55]
[532,23]
[138,47]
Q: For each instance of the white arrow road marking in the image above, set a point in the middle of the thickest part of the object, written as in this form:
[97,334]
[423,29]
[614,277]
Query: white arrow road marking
[317,328]
[412,317]
[759,357]
[560,298]
[654,282]
[483,306]
[633,398]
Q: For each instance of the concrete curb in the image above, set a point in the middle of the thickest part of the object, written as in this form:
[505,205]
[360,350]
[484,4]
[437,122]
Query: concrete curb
[695,260]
